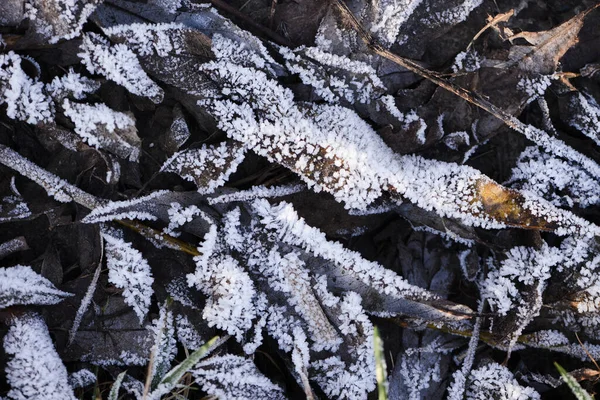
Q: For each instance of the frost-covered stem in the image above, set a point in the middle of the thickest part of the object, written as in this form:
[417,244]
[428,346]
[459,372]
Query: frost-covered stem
[55,186]
[154,234]
[12,246]
[64,191]
[87,299]
[457,388]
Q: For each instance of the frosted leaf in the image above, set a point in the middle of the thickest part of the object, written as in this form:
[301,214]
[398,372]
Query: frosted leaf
[72,85]
[129,270]
[523,265]
[556,341]
[494,381]
[332,149]
[288,274]
[178,133]
[231,293]
[561,182]
[334,77]
[164,349]
[13,206]
[390,15]
[257,192]
[82,378]
[208,167]
[35,370]
[235,378]
[25,98]
[118,64]
[585,115]
[453,15]
[141,208]
[54,20]
[21,285]
[293,230]
[187,335]
[354,379]
[102,127]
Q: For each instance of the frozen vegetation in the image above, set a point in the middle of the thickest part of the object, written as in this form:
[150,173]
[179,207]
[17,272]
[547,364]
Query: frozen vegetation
[193,209]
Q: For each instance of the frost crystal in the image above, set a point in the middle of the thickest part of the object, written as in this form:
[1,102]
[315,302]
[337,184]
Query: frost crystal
[129,270]
[35,370]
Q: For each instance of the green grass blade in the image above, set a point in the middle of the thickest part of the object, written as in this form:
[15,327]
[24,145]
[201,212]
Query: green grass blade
[174,375]
[380,367]
[572,383]
[114,390]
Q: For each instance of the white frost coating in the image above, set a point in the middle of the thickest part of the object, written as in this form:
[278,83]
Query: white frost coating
[453,15]
[293,230]
[208,167]
[179,216]
[148,39]
[72,84]
[467,61]
[82,378]
[558,147]
[35,370]
[129,270]
[187,335]
[25,98]
[389,17]
[21,285]
[495,381]
[585,116]
[235,378]
[257,192]
[59,189]
[556,180]
[90,119]
[534,86]
[164,349]
[119,64]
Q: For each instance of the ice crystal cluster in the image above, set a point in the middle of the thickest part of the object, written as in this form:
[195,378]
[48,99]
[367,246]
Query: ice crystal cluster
[208,181]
